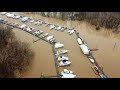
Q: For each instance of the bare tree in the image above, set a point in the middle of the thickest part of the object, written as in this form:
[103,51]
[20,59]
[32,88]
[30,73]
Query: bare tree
[110,20]
[14,54]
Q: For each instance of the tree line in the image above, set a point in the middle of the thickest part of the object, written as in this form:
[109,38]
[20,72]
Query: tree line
[109,20]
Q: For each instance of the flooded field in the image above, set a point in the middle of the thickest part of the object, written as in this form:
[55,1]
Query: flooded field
[107,56]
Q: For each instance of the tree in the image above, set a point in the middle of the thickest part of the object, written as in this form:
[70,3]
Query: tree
[14,54]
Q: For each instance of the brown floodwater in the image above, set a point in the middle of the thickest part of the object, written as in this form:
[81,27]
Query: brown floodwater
[107,56]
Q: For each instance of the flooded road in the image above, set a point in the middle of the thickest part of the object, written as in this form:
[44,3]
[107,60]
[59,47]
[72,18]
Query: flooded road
[107,56]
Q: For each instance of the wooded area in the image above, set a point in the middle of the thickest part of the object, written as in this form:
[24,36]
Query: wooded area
[14,54]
